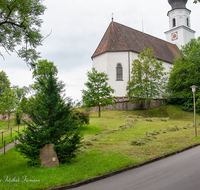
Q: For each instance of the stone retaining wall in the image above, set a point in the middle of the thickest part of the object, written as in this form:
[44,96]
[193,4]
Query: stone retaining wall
[124,104]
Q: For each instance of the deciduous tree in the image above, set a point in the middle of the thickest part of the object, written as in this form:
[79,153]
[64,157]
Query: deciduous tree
[98,92]
[20,27]
[185,73]
[147,79]
[20,95]
[8,102]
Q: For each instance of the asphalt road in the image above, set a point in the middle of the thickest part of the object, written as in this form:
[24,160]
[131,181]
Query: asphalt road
[178,172]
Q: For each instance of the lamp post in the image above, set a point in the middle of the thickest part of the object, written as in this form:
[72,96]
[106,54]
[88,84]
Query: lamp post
[193,90]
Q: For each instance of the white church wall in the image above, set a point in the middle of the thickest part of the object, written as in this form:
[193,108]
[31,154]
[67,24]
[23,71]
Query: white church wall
[107,62]
[100,63]
[133,56]
[167,66]
[113,59]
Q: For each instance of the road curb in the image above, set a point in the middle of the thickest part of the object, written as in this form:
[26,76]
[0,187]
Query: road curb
[80,183]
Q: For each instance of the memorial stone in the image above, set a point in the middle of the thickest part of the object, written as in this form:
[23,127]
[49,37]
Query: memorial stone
[48,156]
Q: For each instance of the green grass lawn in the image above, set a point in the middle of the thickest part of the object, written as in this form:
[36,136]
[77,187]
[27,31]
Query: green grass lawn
[116,140]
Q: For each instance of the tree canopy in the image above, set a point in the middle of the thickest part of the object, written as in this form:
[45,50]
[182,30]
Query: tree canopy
[147,79]
[4,82]
[185,73]
[20,28]
[98,92]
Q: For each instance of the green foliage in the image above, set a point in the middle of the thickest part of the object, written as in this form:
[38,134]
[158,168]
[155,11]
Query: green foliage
[20,27]
[4,82]
[84,116]
[196,1]
[20,95]
[99,92]
[8,102]
[185,73]
[148,79]
[53,120]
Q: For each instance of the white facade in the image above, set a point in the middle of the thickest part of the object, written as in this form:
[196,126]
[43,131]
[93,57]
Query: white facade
[107,62]
[180,32]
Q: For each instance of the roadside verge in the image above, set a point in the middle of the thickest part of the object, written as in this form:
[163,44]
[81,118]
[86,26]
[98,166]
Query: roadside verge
[80,183]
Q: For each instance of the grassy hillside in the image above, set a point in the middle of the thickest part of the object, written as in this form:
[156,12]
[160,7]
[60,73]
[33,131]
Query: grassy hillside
[116,140]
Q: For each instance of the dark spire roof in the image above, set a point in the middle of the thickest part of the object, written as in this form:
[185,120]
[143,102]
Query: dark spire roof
[122,38]
[178,4]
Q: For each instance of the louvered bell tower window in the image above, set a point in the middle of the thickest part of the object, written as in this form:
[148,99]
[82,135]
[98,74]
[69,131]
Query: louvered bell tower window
[119,72]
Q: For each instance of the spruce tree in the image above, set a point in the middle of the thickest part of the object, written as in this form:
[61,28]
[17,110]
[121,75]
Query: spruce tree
[52,118]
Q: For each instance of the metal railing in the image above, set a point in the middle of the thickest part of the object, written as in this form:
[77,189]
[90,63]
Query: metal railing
[11,131]
[10,139]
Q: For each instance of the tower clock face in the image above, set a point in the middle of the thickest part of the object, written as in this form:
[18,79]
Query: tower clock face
[174,36]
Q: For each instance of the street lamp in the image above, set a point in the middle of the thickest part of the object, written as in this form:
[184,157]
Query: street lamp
[193,90]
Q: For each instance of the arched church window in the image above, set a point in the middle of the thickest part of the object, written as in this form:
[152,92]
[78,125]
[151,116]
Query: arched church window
[119,72]
[173,22]
[188,24]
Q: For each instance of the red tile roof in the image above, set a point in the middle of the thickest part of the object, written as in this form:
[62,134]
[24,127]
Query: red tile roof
[119,38]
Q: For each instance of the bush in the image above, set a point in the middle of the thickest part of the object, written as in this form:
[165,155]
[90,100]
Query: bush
[84,116]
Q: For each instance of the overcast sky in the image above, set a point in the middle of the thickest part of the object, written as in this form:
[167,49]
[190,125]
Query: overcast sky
[77,28]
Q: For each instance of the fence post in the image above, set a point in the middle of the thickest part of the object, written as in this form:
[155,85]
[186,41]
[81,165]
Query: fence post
[2,136]
[11,132]
[4,146]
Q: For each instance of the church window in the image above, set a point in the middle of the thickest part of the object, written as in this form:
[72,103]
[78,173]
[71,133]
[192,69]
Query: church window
[173,22]
[119,72]
[188,24]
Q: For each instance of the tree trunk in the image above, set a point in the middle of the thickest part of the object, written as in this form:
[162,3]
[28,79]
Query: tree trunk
[149,106]
[99,111]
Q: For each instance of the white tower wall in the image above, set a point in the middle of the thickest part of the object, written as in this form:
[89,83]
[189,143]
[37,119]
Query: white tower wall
[180,32]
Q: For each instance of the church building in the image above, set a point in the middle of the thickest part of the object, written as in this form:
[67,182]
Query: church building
[121,44]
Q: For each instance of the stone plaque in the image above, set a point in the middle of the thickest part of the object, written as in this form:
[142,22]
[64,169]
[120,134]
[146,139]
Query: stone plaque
[48,156]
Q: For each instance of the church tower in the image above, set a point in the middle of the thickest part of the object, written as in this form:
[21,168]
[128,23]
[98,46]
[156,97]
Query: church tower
[179,32]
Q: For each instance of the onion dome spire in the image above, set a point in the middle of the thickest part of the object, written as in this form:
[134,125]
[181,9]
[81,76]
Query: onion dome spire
[178,4]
